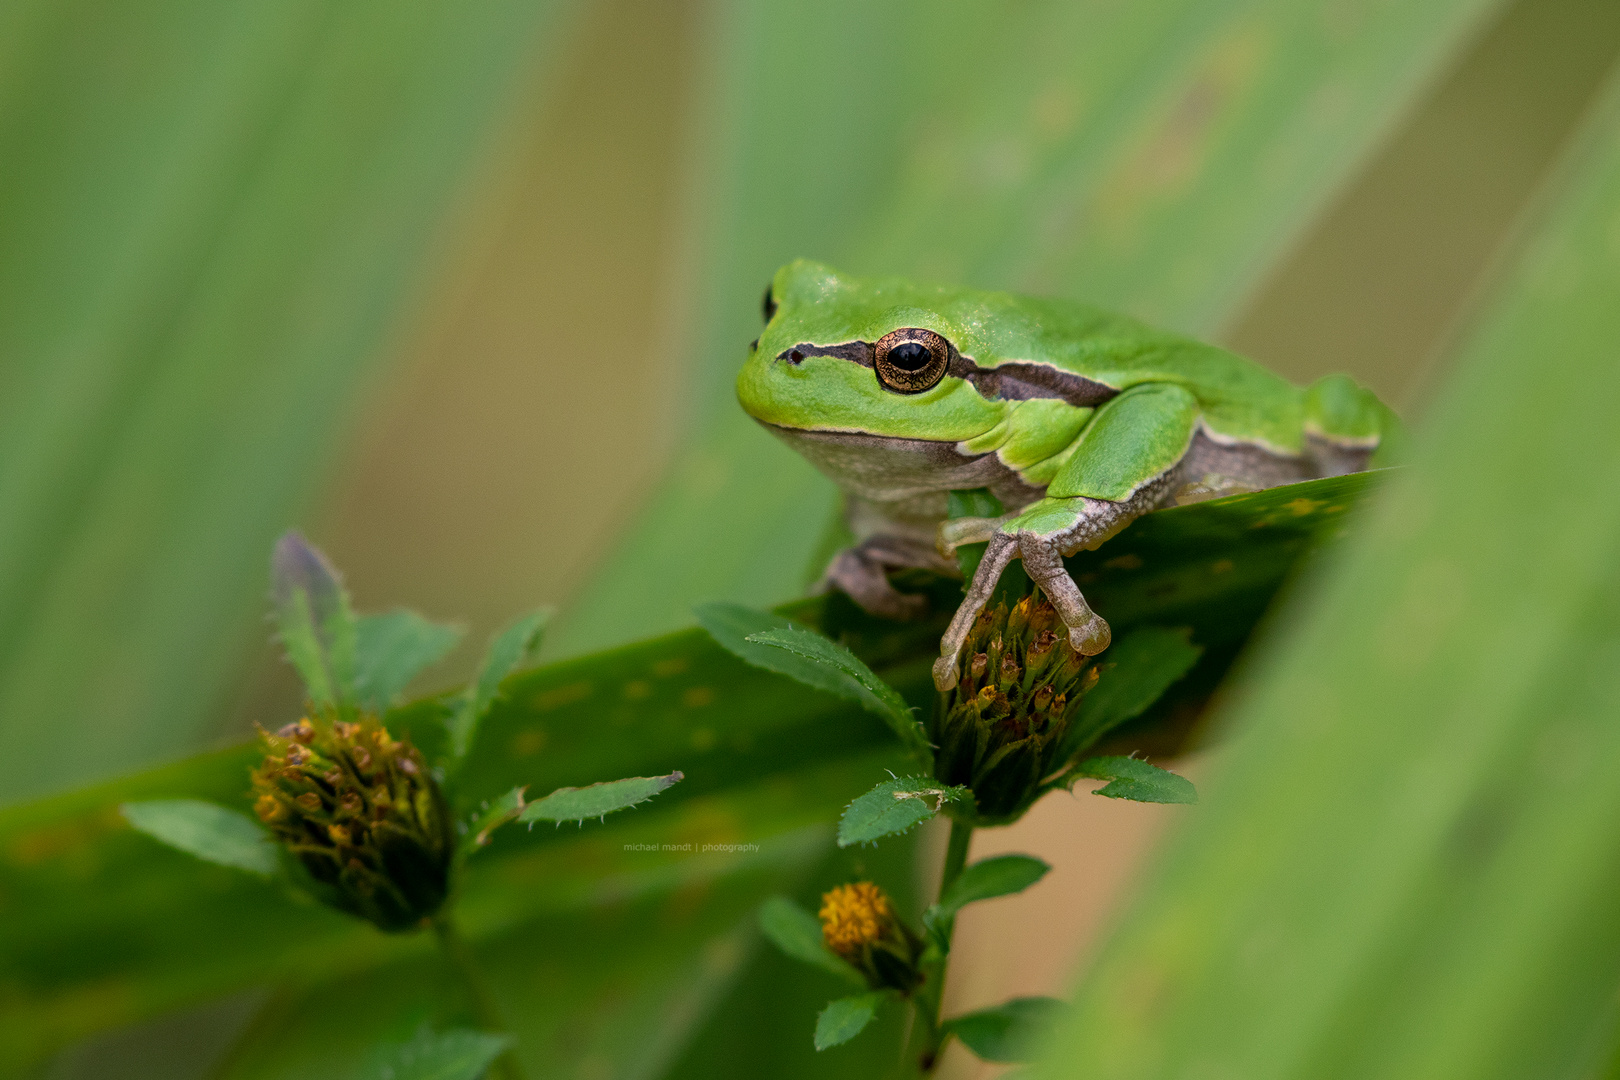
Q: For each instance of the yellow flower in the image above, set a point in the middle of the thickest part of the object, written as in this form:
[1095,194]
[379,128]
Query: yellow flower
[858,923]
[853,916]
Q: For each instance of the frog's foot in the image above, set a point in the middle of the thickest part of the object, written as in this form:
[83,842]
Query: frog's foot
[1041,536]
[862,572]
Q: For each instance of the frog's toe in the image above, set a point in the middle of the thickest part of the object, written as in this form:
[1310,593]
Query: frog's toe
[945,674]
[1088,632]
[864,580]
[1092,637]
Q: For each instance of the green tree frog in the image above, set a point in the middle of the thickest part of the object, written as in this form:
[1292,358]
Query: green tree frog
[1078,420]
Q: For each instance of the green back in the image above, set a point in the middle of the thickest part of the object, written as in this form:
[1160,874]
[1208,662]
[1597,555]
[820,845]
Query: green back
[817,305]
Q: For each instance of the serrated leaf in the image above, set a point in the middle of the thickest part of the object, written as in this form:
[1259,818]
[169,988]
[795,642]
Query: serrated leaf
[853,678]
[798,934]
[1136,780]
[845,1018]
[491,817]
[895,806]
[391,649]
[509,649]
[208,831]
[456,1054]
[577,804]
[1141,667]
[1010,1032]
[1001,875]
[315,621]
[732,624]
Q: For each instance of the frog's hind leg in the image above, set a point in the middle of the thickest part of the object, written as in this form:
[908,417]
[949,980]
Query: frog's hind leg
[1125,465]
[1041,536]
[862,572]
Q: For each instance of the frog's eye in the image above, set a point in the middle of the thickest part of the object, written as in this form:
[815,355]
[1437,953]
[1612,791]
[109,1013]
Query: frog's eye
[911,360]
[770,304]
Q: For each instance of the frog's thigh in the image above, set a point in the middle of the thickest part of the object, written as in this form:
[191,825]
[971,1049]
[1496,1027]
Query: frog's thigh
[1132,441]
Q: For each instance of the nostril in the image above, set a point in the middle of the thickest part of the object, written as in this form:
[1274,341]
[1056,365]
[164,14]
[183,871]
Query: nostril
[753,345]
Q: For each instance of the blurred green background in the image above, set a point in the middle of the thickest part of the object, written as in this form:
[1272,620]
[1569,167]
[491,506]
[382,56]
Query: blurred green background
[460,291]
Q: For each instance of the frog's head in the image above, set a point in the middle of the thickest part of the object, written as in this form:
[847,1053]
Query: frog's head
[882,357]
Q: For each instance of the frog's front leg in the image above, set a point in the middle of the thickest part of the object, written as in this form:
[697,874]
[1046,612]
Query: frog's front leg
[862,573]
[1123,467]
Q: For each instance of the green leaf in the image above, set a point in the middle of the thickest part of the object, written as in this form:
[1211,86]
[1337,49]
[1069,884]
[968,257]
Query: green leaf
[756,747]
[845,1018]
[455,1054]
[857,681]
[391,649]
[1136,780]
[509,649]
[1406,863]
[1013,1031]
[1137,671]
[894,806]
[315,620]
[220,222]
[597,800]
[491,817]
[732,624]
[208,831]
[1001,875]
[798,934]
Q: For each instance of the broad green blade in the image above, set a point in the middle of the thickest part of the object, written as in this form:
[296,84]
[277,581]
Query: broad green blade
[1405,861]
[213,214]
[1156,157]
[764,758]
[610,992]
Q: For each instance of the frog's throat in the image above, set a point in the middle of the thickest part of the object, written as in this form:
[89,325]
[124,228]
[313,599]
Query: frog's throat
[910,476]
[1010,380]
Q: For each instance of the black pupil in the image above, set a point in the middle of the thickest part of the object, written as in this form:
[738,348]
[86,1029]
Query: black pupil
[770,304]
[910,356]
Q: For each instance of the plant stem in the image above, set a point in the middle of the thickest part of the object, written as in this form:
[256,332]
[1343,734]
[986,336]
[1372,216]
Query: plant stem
[932,997]
[956,851]
[485,1010]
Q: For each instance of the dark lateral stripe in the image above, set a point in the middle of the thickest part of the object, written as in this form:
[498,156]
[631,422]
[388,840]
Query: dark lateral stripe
[1011,381]
[1024,382]
[856,352]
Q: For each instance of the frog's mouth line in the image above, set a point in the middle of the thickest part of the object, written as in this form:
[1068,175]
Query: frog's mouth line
[889,468]
[1016,380]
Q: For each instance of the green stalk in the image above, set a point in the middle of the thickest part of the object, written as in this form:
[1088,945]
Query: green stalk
[930,1000]
[487,1013]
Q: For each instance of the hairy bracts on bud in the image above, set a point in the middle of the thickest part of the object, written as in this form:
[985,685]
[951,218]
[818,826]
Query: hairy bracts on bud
[1000,729]
[362,813]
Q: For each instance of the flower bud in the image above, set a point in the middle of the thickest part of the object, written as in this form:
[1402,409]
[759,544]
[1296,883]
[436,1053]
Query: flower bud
[1000,729]
[859,924]
[363,815]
